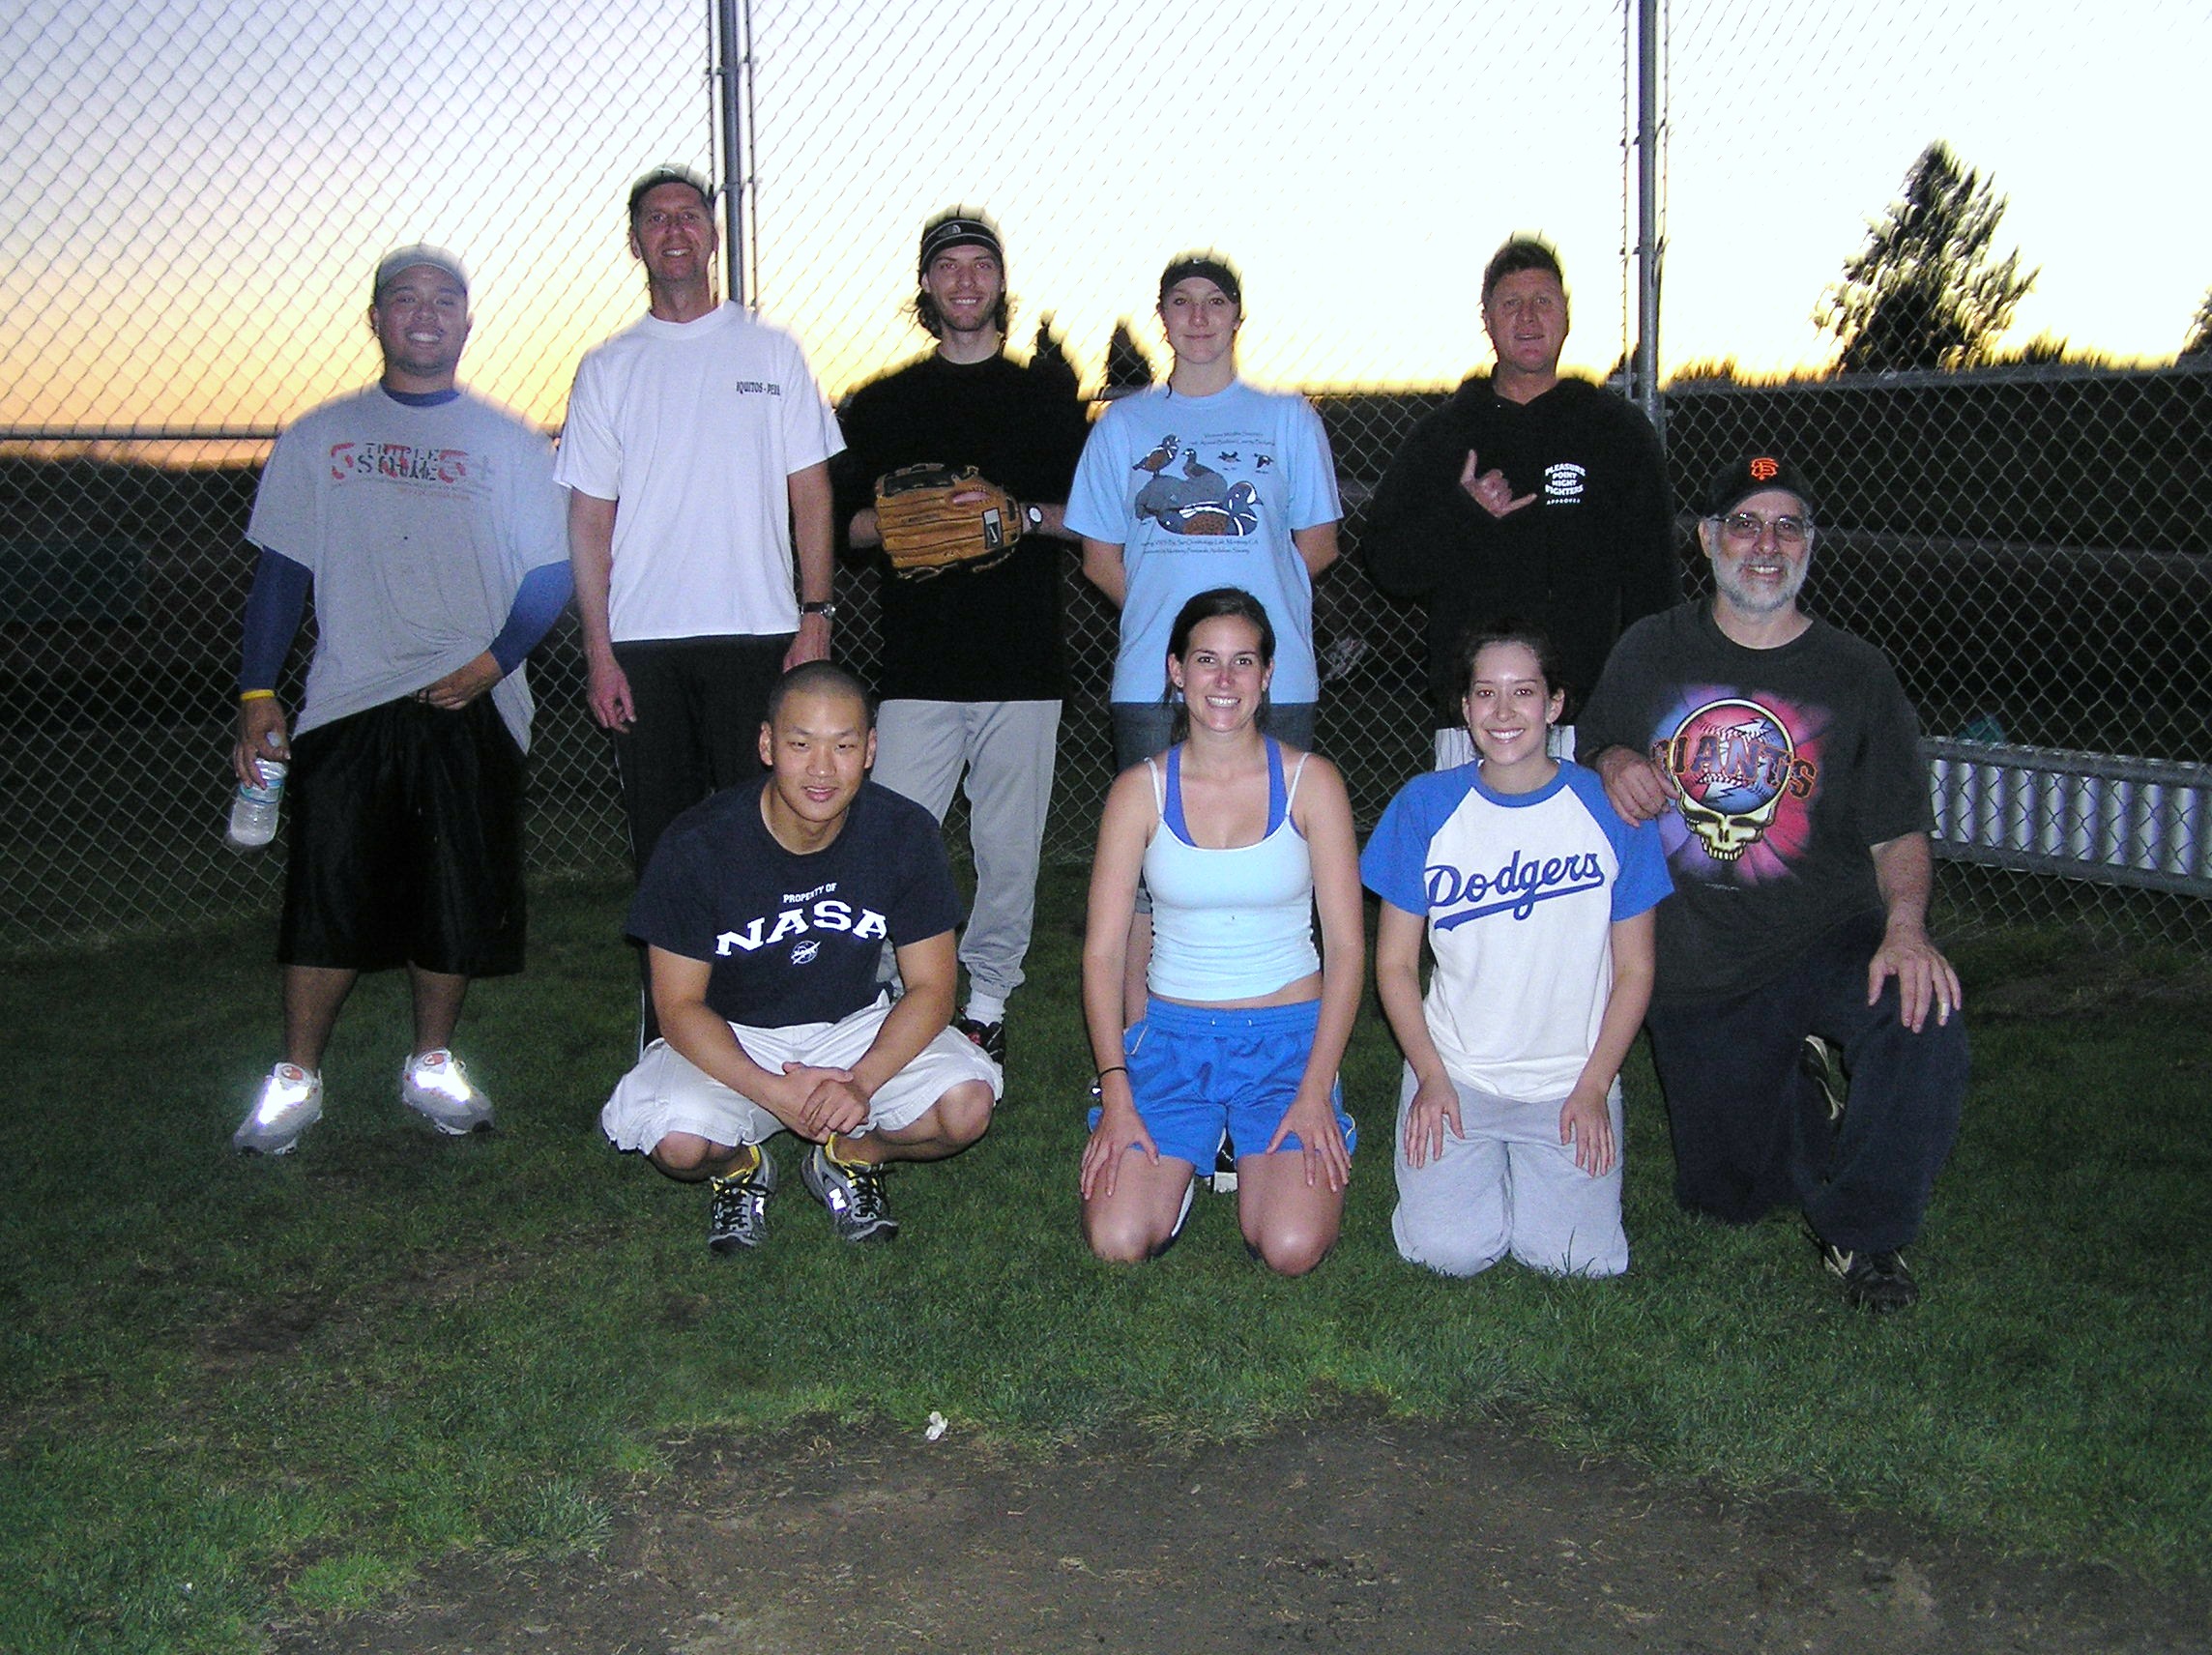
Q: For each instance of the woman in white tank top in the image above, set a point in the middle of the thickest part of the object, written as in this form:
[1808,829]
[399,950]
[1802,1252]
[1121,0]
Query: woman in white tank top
[1241,840]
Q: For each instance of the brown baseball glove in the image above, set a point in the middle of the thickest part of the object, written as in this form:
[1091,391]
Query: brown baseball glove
[926,531]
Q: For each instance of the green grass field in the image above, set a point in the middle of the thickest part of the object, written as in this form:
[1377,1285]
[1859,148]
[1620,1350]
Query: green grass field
[233,1387]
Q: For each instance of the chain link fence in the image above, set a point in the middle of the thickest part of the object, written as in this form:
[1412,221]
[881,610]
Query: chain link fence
[196,194]
[2030,538]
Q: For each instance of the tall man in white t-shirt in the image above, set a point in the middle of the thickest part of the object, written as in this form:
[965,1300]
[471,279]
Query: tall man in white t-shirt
[696,458]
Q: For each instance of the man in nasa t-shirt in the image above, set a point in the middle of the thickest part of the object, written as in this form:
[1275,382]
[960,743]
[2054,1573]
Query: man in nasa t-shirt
[764,912]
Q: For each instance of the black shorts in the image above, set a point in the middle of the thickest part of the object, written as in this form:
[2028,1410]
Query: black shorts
[406,843]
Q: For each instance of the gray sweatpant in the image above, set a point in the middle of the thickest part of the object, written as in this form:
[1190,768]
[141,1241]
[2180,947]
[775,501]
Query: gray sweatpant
[1007,749]
[1508,1187]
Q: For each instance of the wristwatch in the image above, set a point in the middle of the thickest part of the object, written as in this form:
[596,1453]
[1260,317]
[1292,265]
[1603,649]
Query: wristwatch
[825,609]
[1033,516]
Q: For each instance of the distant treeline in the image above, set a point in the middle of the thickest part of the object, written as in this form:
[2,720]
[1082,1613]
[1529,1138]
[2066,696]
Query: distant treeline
[2000,535]
[2099,461]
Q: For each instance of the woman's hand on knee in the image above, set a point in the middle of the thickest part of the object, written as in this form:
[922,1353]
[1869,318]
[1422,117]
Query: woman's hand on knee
[1312,1116]
[1118,1131]
[1434,1111]
[1585,1122]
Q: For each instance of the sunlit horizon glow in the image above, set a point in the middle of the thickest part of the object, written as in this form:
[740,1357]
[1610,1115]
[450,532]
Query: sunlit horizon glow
[195,197]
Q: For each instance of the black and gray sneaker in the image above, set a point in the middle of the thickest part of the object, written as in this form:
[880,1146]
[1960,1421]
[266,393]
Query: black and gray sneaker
[1224,1176]
[991,1037]
[854,1193]
[1823,1066]
[1879,1282]
[736,1212]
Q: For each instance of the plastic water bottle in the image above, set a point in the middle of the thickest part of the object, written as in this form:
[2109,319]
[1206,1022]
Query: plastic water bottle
[253,811]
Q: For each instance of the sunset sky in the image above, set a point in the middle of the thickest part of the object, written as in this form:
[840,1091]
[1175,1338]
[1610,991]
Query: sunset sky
[196,191]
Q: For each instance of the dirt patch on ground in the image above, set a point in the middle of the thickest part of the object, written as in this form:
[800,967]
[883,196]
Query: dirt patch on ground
[1354,1534]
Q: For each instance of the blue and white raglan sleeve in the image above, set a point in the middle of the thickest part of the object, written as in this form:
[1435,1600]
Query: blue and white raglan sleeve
[1395,864]
[1644,882]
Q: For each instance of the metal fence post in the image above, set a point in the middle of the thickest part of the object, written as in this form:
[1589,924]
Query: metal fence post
[1650,245]
[733,78]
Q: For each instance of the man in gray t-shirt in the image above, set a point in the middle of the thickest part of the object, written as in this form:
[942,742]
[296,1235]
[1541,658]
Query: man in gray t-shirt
[427,524]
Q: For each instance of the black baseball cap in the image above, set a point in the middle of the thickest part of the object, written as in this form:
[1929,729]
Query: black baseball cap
[1211,266]
[1754,473]
[958,229]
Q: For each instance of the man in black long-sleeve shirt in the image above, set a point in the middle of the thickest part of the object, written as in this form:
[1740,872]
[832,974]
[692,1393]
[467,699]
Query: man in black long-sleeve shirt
[1526,495]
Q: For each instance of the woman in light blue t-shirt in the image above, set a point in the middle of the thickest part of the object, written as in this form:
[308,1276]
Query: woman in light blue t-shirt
[1203,483]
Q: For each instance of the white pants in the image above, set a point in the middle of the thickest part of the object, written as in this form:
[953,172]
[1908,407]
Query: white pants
[1508,1187]
[1007,748]
[667,1093]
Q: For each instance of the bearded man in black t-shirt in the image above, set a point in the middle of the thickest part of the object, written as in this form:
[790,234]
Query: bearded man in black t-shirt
[764,913]
[973,677]
[1806,1031]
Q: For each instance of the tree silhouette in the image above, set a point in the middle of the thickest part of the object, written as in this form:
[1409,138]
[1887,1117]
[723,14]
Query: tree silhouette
[1049,355]
[1127,367]
[1927,290]
[2199,340]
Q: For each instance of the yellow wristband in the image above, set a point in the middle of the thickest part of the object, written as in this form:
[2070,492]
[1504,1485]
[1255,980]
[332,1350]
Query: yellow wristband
[245,695]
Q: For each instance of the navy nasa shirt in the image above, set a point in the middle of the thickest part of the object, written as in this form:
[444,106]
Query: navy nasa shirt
[794,938]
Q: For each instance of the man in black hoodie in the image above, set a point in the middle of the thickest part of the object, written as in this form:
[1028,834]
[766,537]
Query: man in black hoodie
[1526,495]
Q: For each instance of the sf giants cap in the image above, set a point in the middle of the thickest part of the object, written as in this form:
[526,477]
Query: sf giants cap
[407,258]
[1751,475]
[958,229]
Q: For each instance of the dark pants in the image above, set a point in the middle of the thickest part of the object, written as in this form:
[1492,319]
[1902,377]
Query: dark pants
[1751,1130]
[699,703]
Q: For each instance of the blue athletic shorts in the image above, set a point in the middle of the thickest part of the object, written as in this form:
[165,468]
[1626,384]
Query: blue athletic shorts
[1195,1071]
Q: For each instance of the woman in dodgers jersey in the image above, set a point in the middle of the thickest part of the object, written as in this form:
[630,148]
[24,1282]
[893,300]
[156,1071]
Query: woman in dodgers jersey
[1536,898]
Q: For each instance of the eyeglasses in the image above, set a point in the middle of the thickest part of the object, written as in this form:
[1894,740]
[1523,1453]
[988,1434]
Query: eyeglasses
[1750,526]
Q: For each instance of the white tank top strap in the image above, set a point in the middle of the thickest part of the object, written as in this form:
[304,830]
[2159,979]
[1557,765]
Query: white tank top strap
[1160,788]
[1290,794]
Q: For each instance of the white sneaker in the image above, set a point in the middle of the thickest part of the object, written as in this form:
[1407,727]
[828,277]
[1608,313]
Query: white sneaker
[436,1086]
[290,1101]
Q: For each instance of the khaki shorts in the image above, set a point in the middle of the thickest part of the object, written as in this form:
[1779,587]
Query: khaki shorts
[667,1093]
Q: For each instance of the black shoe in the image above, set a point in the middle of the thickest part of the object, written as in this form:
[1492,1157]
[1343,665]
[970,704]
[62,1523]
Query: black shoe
[1823,1066]
[1879,1282]
[1182,1217]
[1224,1179]
[991,1037]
